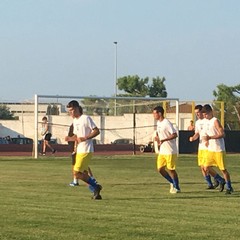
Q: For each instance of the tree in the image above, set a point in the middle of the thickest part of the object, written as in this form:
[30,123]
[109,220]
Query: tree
[5,113]
[158,89]
[95,106]
[135,86]
[229,95]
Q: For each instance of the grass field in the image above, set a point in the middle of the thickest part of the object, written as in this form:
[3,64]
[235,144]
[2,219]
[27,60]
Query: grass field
[37,203]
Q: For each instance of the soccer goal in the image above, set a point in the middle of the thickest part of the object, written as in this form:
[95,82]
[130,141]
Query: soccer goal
[118,118]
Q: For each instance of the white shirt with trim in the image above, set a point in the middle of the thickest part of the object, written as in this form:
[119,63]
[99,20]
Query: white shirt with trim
[200,128]
[215,145]
[165,129]
[82,127]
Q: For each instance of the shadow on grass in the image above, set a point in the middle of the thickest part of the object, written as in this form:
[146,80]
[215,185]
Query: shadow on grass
[182,196]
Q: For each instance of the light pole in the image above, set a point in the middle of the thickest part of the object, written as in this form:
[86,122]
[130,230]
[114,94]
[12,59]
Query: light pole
[115,79]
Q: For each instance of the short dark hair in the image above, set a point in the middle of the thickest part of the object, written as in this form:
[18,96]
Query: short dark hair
[75,104]
[198,107]
[159,109]
[44,118]
[206,108]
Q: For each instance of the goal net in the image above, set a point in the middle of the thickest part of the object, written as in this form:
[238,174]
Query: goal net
[119,119]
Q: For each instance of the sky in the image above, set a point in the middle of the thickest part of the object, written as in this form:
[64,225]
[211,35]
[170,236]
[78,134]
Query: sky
[66,47]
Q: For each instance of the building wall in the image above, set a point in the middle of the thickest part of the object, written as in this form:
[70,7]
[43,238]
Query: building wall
[27,109]
[112,127]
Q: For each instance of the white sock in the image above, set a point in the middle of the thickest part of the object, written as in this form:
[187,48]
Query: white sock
[75,180]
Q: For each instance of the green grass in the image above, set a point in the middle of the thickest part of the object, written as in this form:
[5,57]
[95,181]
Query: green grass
[37,203]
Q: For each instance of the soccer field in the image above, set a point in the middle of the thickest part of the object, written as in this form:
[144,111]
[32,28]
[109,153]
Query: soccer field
[36,202]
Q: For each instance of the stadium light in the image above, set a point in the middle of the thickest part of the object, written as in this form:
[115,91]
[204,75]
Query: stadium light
[115,79]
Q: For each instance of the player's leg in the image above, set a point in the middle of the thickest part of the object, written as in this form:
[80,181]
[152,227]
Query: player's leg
[211,161]
[161,164]
[202,155]
[90,174]
[217,177]
[52,149]
[47,139]
[171,166]
[207,177]
[75,180]
[44,147]
[80,172]
[220,159]
[227,178]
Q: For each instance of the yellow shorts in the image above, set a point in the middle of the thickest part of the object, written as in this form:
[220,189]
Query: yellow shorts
[168,161]
[216,159]
[202,157]
[82,162]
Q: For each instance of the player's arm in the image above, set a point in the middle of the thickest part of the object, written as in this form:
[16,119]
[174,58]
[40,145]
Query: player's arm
[43,133]
[169,138]
[156,137]
[46,128]
[93,134]
[194,137]
[71,139]
[220,131]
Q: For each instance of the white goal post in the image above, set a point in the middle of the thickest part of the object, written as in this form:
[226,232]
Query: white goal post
[125,106]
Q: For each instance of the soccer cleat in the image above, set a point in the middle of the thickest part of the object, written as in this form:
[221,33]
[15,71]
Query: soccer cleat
[215,184]
[98,197]
[96,193]
[175,190]
[44,154]
[73,184]
[53,151]
[221,185]
[210,187]
[171,188]
[229,191]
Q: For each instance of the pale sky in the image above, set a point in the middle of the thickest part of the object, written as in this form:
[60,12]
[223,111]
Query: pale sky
[65,47]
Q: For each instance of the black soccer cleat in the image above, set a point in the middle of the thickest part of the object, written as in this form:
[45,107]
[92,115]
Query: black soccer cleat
[215,184]
[96,193]
[98,197]
[221,186]
[210,187]
[229,191]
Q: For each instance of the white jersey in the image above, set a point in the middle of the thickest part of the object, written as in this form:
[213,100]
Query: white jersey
[82,127]
[200,128]
[164,130]
[215,145]
[44,130]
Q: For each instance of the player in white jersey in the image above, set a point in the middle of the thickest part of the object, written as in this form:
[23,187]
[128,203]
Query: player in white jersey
[216,147]
[84,130]
[167,156]
[200,132]
[46,135]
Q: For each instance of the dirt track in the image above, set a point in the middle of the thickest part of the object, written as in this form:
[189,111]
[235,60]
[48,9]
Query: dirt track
[64,151]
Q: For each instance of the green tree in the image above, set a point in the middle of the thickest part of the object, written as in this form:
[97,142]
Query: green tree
[95,106]
[135,86]
[231,98]
[5,113]
[132,86]
[158,88]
